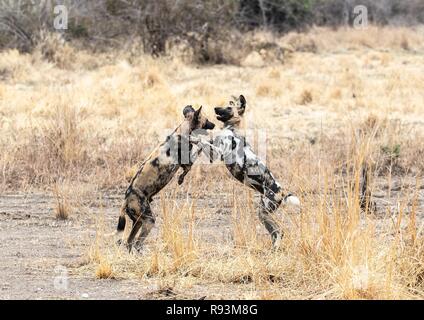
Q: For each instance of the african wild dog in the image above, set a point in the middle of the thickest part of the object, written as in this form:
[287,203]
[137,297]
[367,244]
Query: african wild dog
[231,147]
[156,172]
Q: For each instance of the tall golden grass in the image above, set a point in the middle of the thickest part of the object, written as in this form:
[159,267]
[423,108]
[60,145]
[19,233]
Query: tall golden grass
[332,250]
[339,99]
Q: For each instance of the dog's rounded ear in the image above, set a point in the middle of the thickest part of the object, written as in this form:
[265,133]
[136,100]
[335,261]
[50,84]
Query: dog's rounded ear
[197,113]
[242,100]
[188,110]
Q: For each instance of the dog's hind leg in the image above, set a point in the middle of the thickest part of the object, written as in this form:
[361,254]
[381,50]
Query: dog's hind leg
[267,207]
[147,223]
[135,228]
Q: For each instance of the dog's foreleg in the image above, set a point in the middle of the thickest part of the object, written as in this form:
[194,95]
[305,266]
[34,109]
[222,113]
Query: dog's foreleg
[186,169]
[210,149]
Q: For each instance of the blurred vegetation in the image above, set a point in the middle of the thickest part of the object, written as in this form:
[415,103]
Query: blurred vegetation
[197,22]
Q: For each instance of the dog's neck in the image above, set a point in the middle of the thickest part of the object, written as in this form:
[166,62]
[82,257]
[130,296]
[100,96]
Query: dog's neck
[234,125]
[184,129]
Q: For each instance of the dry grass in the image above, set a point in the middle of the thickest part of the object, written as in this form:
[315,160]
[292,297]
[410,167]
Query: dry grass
[104,270]
[331,251]
[341,98]
[63,208]
[375,38]
[306,97]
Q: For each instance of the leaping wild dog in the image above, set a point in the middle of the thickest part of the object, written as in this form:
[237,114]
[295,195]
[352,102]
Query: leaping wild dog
[231,147]
[156,172]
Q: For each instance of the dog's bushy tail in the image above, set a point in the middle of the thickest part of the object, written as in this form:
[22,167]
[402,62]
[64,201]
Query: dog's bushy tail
[121,221]
[291,199]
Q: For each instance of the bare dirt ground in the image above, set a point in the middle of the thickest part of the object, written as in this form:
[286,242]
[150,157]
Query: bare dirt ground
[33,243]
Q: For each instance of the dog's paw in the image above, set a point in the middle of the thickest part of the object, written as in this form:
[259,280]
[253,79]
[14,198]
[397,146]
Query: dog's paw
[138,250]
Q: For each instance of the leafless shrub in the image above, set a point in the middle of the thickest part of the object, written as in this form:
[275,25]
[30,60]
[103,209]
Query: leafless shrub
[205,26]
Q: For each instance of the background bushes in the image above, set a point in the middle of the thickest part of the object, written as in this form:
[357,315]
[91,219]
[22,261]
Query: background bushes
[197,23]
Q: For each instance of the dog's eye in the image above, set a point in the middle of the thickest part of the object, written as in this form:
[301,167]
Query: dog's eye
[231,103]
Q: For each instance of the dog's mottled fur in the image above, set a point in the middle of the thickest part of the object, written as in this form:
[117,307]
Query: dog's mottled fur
[155,173]
[246,167]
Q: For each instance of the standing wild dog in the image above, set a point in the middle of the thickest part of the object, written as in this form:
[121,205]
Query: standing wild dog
[231,147]
[156,172]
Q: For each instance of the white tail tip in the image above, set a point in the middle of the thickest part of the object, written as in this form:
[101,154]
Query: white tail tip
[293,201]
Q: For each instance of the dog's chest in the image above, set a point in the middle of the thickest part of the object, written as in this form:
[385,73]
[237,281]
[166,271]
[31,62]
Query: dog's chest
[243,163]
[235,150]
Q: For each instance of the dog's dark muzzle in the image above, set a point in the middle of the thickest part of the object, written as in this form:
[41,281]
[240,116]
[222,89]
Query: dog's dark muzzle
[204,130]
[209,125]
[219,111]
[223,114]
